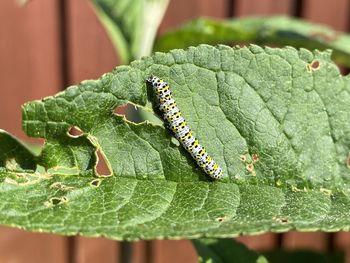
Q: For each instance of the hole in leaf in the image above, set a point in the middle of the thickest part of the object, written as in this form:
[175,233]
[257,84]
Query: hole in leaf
[74,132]
[96,182]
[255,157]
[314,65]
[102,167]
[281,220]
[250,167]
[121,110]
[243,158]
[56,201]
[221,219]
[136,114]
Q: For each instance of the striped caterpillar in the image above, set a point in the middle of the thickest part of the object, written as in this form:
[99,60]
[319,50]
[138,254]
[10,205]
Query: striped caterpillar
[172,115]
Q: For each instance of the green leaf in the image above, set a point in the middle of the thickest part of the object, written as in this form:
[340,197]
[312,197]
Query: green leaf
[131,24]
[278,30]
[276,120]
[304,256]
[225,250]
[14,155]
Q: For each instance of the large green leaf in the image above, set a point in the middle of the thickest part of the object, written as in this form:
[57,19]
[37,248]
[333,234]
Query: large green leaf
[131,24]
[274,31]
[276,120]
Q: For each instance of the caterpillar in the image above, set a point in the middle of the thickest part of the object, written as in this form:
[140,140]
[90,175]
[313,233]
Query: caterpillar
[173,116]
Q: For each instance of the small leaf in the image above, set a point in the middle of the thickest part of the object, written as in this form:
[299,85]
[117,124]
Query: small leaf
[278,30]
[225,251]
[131,24]
[14,155]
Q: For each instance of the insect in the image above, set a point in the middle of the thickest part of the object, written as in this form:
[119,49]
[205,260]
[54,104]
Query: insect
[172,115]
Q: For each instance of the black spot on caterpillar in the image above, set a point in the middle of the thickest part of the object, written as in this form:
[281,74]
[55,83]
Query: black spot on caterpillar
[172,115]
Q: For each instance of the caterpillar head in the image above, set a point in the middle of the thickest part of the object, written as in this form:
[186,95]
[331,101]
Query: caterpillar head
[156,82]
[151,79]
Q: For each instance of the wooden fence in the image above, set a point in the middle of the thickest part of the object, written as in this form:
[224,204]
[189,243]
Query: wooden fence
[48,45]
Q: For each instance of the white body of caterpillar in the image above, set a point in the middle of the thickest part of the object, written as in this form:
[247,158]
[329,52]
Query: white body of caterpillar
[172,114]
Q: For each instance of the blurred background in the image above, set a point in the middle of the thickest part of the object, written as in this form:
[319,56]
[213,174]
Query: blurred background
[46,46]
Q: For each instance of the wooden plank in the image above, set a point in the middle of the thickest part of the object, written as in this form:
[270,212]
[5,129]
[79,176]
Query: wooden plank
[21,246]
[180,11]
[259,242]
[142,252]
[29,69]
[332,13]
[263,7]
[91,250]
[303,240]
[29,58]
[90,51]
[314,240]
[174,251]
[342,242]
